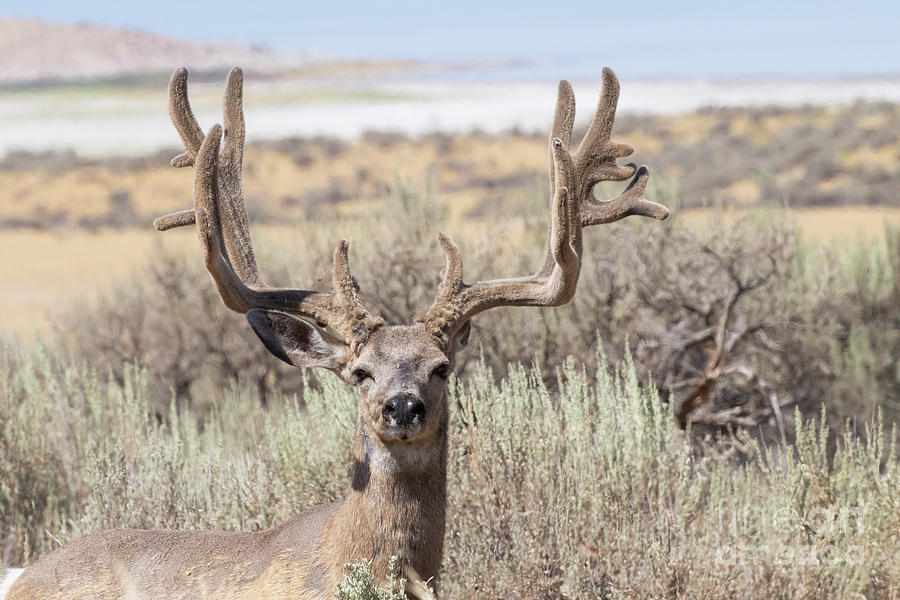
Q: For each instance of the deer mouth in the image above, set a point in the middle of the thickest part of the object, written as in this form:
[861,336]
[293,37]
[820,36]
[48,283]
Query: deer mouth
[403,430]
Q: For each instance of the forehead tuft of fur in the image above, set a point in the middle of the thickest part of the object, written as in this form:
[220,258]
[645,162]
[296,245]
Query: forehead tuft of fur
[397,342]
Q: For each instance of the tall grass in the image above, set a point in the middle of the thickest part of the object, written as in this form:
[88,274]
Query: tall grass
[590,490]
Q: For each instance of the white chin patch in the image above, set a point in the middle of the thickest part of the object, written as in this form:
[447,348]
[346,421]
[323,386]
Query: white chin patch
[403,432]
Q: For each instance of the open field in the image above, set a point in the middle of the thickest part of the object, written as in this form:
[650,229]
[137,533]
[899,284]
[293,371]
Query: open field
[840,227]
[43,271]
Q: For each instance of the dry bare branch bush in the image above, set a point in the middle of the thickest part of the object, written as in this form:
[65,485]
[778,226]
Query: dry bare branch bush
[722,314]
[696,311]
[734,325]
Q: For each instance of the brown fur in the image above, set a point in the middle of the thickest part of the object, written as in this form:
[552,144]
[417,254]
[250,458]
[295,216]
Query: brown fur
[395,507]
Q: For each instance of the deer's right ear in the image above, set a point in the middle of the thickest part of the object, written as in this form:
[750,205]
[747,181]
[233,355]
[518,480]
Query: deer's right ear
[461,337]
[297,342]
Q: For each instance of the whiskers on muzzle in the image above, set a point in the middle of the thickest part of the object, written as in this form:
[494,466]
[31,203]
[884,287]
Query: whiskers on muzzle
[403,411]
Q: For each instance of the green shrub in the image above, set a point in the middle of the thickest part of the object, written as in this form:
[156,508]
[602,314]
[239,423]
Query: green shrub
[359,584]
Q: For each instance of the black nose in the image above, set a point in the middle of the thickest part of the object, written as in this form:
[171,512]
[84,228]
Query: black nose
[403,409]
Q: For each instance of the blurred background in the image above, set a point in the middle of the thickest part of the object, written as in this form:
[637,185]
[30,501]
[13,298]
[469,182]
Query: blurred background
[771,130]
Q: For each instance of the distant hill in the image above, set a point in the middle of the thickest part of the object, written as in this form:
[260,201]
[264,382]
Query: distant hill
[37,52]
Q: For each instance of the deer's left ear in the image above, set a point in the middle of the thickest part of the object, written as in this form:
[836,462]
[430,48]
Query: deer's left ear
[461,338]
[297,342]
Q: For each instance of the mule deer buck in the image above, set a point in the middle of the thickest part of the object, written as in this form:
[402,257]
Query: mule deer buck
[397,502]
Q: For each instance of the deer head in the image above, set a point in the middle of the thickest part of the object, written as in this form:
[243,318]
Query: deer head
[401,370]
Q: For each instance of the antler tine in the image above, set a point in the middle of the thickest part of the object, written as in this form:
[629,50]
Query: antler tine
[233,209]
[563,121]
[185,123]
[595,160]
[630,202]
[573,206]
[233,110]
[234,293]
[457,302]
[183,118]
[181,218]
[352,319]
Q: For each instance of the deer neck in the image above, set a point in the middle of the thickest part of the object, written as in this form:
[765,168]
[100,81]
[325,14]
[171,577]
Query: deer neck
[396,507]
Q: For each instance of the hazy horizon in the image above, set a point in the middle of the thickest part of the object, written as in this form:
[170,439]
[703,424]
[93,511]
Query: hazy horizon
[687,40]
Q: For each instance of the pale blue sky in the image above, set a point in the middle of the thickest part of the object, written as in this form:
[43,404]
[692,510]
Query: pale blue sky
[652,38]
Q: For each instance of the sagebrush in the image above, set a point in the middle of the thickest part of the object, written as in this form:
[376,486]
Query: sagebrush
[590,490]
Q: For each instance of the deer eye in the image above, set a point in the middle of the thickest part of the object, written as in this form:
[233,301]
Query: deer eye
[360,375]
[443,370]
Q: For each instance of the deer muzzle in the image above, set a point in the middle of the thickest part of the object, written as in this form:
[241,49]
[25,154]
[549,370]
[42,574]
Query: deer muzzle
[403,411]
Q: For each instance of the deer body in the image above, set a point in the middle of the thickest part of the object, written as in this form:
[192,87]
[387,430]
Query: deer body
[278,563]
[396,505]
